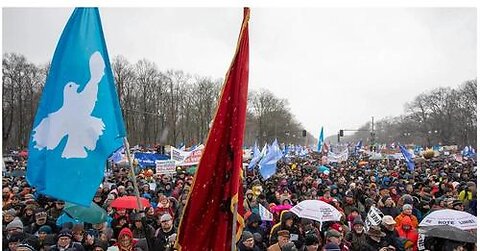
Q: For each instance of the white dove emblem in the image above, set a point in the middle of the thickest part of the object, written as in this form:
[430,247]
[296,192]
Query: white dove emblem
[74,118]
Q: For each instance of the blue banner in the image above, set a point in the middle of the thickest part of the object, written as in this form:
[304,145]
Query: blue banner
[148,159]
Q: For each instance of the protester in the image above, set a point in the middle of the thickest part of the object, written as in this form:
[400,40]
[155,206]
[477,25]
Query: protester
[247,242]
[283,237]
[352,187]
[65,241]
[166,234]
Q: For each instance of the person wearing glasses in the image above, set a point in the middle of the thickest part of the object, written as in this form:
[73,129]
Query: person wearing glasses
[166,234]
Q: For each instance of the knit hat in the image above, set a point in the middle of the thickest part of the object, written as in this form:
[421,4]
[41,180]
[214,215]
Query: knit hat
[45,229]
[257,237]
[358,220]
[246,235]
[11,212]
[27,246]
[333,233]
[31,243]
[385,198]
[331,247]
[15,224]
[407,199]
[101,244]
[65,233]
[15,237]
[407,206]
[165,217]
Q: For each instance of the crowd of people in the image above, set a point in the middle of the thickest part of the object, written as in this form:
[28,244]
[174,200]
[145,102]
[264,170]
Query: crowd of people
[32,221]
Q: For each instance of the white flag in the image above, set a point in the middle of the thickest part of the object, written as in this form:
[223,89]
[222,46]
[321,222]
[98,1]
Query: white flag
[264,213]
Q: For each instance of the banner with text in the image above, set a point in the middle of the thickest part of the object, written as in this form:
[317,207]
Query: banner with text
[374,218]
[194,157]
[148,159]
[165,167]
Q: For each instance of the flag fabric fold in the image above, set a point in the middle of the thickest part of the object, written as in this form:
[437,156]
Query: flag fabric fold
[320,141]
[358,146]
[256,157]
[207,221]
[268,164]
[408,158]
[78,123]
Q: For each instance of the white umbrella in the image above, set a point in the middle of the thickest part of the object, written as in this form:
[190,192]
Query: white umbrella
[459,219]
[316,210]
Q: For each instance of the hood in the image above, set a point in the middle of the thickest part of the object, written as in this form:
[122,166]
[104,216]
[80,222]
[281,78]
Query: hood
[285,215]
[249,191]
[126,231]
[253,218]
[406,221]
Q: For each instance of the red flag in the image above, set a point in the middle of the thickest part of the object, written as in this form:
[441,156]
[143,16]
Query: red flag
[207,222]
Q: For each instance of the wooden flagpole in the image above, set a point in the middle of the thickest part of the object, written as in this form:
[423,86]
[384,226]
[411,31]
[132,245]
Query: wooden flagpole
[137,195]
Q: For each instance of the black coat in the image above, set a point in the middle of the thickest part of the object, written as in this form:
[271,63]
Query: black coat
[161,239]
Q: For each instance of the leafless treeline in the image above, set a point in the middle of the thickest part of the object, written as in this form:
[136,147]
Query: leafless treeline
[443,115]
[171,107]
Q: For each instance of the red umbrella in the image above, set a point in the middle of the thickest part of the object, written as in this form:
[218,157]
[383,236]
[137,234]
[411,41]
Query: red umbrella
[129,202]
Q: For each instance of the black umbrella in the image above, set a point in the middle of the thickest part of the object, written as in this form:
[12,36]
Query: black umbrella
[449,233]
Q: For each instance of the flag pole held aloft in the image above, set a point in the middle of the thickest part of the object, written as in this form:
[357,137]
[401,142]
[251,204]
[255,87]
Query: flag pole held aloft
[78,123]
[212,203]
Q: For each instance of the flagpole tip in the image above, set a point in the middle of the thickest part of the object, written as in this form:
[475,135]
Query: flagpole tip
[246,13]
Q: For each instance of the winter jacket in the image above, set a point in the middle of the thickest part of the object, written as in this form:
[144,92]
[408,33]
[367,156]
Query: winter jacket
[252,219]
[399,219]
[411,234]
[357,241]
[133,247]
[284,216]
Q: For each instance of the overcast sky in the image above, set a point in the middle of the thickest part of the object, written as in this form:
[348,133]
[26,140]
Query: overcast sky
[337,67]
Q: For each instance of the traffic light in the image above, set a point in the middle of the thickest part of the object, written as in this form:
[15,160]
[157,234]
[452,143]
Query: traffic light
[304,133]
[341,133]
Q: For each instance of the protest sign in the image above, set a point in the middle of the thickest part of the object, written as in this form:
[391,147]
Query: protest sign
[165,167]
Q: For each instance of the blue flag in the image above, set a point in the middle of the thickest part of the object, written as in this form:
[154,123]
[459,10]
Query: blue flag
[320,141]
[78,122]
[408,158]
[268,164]
[358,146]
[256,157]
[276,149]
[117,156]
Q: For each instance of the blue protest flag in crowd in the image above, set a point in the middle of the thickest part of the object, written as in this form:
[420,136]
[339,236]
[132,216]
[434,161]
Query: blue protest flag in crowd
[78,122]
[408,158]
[256,157]
[358,146]
[320,141]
